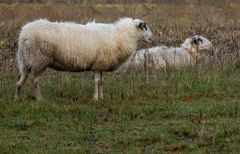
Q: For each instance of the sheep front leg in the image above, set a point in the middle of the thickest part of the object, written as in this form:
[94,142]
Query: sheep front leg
[97,78]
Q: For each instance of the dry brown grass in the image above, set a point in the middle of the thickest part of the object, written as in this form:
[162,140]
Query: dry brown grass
[171,22]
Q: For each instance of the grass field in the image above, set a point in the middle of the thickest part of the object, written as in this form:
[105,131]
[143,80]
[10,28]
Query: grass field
[193,109]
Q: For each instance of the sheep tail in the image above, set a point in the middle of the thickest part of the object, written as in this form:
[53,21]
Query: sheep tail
[22,67]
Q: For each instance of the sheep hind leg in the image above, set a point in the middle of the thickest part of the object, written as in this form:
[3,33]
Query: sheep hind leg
[100,86]
[97,77]
[22,77]
[36,84]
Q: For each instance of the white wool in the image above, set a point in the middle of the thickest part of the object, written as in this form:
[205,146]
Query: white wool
[69,46]
[105,46]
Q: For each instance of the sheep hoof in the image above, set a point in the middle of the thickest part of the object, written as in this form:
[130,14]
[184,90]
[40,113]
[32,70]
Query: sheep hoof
[18,98]
[95,98]
[39,99]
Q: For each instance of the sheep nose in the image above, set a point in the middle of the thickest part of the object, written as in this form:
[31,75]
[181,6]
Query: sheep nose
[210,45]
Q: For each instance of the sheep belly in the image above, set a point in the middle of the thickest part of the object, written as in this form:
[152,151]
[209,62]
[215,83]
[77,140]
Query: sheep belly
[70,66]
[73,61]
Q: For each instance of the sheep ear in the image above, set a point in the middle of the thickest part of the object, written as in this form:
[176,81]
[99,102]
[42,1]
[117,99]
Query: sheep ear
[200,39]
[142,26]
[194,40]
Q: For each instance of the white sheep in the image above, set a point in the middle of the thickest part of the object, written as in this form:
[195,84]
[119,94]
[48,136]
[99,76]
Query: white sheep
[162,56]
[74,47]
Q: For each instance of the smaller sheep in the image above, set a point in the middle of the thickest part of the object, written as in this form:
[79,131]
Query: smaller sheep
[162,56]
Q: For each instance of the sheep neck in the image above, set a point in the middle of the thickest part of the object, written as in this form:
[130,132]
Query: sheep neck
[127,41]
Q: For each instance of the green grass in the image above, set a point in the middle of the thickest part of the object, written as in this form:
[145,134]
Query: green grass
[180,110]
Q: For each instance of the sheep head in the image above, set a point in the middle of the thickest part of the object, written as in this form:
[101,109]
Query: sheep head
[201,42]
[145,31]
[197,43]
